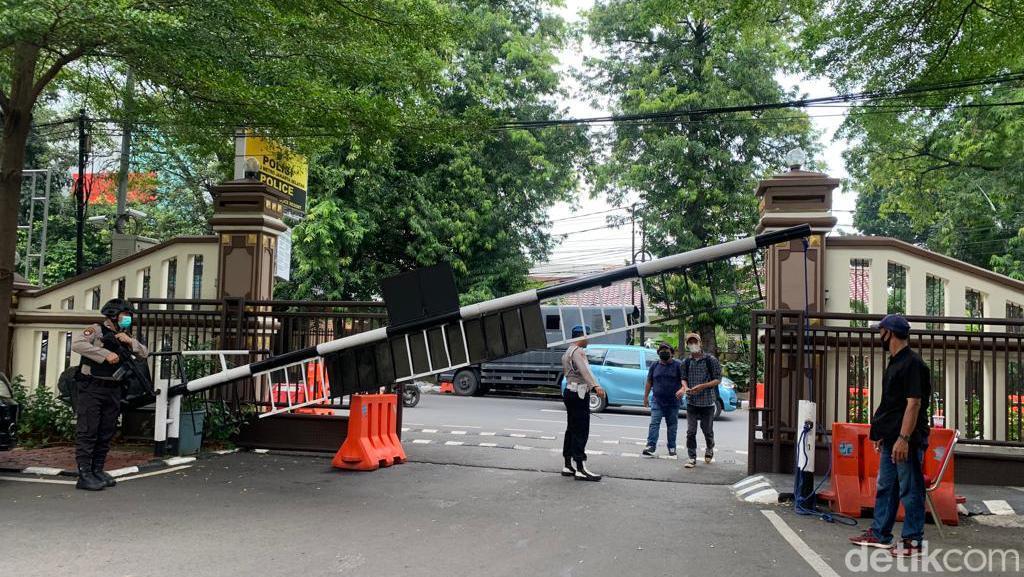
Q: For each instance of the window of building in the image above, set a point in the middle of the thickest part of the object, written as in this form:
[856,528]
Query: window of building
[625,359]
[553,322]
[974,390]
[974,306]
[172,277]
[197,276]
[44,348]
[94,299]
[145,283]
[120,288]
[68,304]
[935,299]
[1014,311]
[896,289]
[860,289]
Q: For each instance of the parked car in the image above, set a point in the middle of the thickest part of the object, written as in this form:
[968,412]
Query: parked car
[621,370]
[8,415]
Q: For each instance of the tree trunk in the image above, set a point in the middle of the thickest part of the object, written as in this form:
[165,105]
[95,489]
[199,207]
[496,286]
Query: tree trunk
[708,339]
[17,124]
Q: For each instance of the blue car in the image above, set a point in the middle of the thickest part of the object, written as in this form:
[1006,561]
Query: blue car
[621,370]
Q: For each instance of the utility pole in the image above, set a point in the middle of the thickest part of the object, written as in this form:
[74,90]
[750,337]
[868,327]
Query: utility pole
[126,152]
[80,198]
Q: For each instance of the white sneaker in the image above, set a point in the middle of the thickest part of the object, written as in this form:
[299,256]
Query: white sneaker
[582,474]
[690,463]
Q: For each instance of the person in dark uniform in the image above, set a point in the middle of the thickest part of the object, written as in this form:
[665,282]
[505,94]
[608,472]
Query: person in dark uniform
[579,385]
[99,390]
[899,430]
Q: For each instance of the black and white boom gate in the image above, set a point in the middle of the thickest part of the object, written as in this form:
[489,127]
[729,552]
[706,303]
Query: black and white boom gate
[428,333]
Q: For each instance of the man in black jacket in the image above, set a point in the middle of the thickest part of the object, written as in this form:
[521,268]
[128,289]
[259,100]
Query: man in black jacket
[99,390]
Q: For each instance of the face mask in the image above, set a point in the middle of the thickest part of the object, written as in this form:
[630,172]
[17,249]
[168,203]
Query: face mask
[125,323]
[693,348]
[664,355]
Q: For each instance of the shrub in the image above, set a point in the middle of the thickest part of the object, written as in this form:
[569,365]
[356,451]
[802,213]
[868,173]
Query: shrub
[43,419]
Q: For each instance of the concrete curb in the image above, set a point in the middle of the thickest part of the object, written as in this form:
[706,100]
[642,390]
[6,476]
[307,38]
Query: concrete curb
[152,465]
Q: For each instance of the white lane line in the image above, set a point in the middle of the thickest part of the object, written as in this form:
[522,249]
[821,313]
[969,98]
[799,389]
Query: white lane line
[178,461]
[751,489]
[456,432]
[421,441]
[555,450]
[748,481]
[999,507]
[525,430]
[548,437]
[49,471]
[738,452]
[764,497]
[589,452]
[634,439]
[462,426]
[562,422]
[669,457]
[47,481]
[414,424]
[637,455]
[552,410]
[154,473]
[487,434]
[429,431]
[618,426]
[488,444]
[261,451]
[610,442]
[517,435]
[813,559]
[405,429]
[522,447]
[454,443]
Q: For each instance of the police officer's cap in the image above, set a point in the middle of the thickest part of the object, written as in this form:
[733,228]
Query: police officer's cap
[114,307]
[578,331]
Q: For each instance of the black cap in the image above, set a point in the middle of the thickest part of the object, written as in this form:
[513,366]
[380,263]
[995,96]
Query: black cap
[895,323]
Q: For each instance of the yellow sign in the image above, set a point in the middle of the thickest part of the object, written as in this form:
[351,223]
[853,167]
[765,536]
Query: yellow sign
[280,169]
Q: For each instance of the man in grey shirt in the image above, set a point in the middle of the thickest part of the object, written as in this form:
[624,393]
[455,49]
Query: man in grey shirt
[579,385]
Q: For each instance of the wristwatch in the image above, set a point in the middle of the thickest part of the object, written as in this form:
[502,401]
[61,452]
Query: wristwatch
[905,438]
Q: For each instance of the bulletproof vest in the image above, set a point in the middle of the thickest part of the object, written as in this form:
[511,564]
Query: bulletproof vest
[103,369]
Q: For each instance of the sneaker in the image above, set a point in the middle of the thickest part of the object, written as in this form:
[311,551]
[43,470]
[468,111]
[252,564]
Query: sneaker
[691,463]
[869,539]
[908,548]
[709,456]
[648,452]
[568,471]
[671,452]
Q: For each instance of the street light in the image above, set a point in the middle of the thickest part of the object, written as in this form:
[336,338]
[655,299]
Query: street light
[796,158]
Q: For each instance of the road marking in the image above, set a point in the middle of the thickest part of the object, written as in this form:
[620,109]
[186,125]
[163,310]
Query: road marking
[525,430]
[488,444]
[610,442]
[50,471]
[751,489]
[429,431]
[457,432]
[670,457]
[261,451]
[813,559]
[631,455]
[999,507]
[487,434]
[619,426]
[1021,489]
[421,441]
[748,481]
[405,429]
[517,435]
[764,497]
[542,421]
[178,461]
[548,437]
[47,481]
[522,447]
[153,473]
[634,439]
[462,426]
[552,410]
[738,452]
[590,452]
[454,443]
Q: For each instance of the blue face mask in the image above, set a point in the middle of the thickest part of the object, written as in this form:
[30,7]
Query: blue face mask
[125,323]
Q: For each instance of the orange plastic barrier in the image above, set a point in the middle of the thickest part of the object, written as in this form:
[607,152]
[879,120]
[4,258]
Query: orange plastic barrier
[447,387]
[372,440]
[285,394]
[855,472]
[759,396]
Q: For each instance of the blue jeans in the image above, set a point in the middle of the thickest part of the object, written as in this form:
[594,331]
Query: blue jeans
[900,482]
[671,415]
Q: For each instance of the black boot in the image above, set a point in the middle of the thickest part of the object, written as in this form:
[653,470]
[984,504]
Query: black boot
[567,470]
[107,478]
[88,481]
[582,474]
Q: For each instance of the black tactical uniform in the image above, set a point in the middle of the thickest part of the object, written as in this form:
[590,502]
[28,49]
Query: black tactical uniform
[100,392]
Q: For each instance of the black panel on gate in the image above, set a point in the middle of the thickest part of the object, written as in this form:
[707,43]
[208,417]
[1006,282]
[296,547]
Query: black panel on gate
[419,295]
[475,340]
[400,356]
[367,370]
[515,340]
[385,367]
[456,348]
[493,336]
[438,354]
[533,327]
[418,348]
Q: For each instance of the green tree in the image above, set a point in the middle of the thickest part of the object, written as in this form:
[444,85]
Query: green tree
[472,196]
[941,168]
[694,177]
[286,67]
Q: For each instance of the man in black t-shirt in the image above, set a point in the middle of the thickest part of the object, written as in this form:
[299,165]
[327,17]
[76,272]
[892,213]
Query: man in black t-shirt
[899,430]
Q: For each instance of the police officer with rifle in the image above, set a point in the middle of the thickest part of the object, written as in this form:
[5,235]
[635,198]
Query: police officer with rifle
[107,351]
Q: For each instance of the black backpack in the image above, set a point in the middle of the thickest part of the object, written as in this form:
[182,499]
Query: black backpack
[137,383]
[67,386]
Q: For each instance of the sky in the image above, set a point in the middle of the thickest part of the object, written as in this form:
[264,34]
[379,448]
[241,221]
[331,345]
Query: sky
[583,249]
